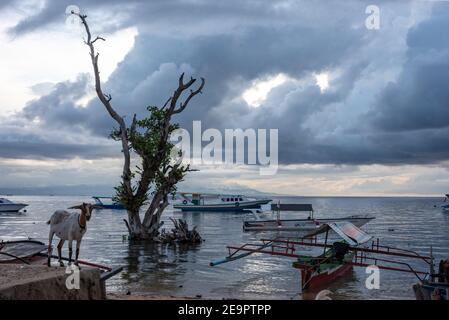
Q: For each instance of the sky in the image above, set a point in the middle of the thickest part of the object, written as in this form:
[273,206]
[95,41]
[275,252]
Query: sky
[359,111]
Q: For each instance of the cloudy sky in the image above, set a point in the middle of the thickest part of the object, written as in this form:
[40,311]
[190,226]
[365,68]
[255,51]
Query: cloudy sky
[359,111]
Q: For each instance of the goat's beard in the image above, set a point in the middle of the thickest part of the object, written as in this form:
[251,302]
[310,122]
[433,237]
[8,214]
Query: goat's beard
[87,218]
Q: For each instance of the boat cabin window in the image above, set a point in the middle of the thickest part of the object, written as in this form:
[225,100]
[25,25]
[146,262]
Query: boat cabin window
[240,199]
[227,199]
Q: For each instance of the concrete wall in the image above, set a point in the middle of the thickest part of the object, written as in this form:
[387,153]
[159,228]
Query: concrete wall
[39,282]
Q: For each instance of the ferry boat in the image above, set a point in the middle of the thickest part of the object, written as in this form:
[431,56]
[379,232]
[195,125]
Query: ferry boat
[217,202]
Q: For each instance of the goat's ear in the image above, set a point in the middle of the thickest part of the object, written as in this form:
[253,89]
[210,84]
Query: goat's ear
[77,207]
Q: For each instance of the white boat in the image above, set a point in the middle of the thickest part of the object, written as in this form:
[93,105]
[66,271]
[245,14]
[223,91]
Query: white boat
[217,202]
[297,225]
[9,206]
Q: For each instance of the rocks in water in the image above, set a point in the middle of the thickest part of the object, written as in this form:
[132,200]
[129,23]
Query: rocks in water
[180,233]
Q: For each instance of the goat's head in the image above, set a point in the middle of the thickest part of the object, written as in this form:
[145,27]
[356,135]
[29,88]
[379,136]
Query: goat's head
[86,208]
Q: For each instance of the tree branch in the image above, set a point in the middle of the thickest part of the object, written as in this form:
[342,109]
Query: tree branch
[106,101]
[191,95]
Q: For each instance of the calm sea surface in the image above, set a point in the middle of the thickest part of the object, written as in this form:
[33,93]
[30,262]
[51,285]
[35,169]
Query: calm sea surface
[411,223]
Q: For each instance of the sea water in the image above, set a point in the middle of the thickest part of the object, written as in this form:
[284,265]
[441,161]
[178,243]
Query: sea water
[167,270]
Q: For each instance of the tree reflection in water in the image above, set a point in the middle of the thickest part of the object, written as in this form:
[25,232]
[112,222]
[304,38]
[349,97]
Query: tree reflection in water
[157,268]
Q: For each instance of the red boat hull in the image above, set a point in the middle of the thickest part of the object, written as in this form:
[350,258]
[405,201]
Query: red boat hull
[316,280]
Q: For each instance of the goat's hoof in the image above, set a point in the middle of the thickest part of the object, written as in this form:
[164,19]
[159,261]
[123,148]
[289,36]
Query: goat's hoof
[61,264]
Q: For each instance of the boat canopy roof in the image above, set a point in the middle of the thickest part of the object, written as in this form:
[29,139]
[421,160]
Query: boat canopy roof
[204,194]
[353,235]
[291,207]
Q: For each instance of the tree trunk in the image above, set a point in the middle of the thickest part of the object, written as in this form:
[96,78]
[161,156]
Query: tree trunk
[135,228]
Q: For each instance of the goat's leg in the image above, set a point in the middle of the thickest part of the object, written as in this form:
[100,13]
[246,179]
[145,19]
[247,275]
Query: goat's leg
[78,244]
[60,244]
[50,240]
[70,251]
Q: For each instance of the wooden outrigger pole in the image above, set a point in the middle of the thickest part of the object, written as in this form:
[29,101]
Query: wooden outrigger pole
[336,259]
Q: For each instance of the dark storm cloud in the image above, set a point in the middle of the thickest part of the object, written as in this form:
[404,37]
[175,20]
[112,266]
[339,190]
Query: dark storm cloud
[53,150]
[200,15]
[231,44]
[22,141]
[419,98]
[59,109]
[150,71]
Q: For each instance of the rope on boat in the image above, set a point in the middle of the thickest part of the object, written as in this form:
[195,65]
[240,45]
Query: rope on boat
[91,264]
[15,257]
[233,257]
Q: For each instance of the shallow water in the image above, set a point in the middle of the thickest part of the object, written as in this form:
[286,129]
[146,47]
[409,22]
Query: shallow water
[411,223]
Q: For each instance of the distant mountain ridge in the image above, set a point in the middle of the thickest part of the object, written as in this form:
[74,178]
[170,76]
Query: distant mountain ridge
[107,191]
[75,190]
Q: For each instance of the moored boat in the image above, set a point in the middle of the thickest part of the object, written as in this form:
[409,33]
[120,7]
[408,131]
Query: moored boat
[330,261]
[335,261]
[297,225]
[436,287]
[300,225]
[100,203]
[445,207]
[217,202]
[22,251]
[9,206]
[35,252]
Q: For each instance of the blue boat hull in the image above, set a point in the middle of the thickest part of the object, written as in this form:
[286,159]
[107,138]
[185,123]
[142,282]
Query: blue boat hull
[112,206]
[222,207]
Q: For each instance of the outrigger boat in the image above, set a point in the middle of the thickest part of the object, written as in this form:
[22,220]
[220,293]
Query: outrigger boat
[437,286]
[100,204]
[298,225]
[335,259]
[217,202]
[35,253]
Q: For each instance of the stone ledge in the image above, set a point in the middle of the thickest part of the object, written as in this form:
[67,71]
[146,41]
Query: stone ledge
[38,282]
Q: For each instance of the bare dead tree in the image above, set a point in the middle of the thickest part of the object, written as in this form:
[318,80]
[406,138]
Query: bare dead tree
[149,138]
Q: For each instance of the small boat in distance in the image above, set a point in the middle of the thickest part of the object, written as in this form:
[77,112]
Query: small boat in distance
[217,202]
[445,207]
[109,205]
[9,206]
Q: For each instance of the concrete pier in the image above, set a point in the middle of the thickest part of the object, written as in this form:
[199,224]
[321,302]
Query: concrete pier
[39,282]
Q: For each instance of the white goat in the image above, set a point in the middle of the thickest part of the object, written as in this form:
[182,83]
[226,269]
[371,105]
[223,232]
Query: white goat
[69,226]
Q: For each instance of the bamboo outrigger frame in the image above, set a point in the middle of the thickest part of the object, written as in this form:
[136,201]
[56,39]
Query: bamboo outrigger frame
[356,256]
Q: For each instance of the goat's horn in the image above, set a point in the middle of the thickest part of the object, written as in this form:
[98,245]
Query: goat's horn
[76,207]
